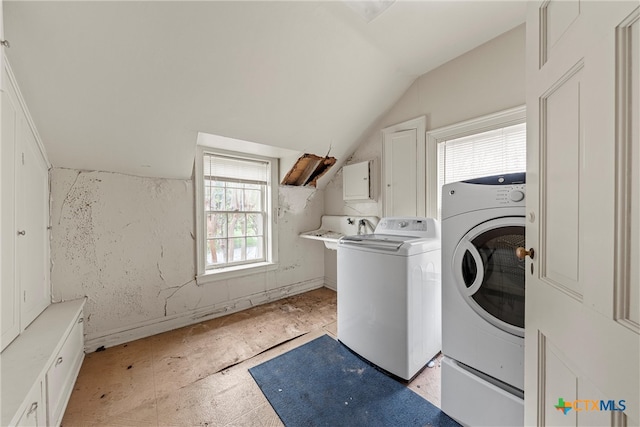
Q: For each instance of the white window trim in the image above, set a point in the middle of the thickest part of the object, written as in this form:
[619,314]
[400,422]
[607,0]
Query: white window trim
[207,276]
[489,122]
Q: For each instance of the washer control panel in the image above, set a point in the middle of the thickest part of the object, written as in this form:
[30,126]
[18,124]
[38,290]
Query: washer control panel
[405,224]
[417,227]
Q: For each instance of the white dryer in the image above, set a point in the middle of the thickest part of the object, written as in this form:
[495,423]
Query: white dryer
[483,222]
[389,296]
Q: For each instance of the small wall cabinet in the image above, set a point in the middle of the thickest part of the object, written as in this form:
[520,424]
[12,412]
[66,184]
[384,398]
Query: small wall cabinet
[356,183]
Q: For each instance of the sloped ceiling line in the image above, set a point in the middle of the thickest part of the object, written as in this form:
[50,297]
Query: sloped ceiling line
[127,86]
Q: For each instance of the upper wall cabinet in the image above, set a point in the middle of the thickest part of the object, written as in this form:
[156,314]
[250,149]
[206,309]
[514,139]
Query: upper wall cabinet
[24,215]
[356,183]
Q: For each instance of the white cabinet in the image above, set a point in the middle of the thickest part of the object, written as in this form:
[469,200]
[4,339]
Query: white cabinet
[33,413]
[42,343]
[10,295]
[32,221]
[356,181]
[401,174]
[41,366]
[24,215]
[404,172]
[62,374]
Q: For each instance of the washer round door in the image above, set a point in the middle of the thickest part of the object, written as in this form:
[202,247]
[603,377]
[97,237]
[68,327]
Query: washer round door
[489,275]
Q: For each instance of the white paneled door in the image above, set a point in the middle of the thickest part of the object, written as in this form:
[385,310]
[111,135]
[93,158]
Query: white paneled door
[401,174]
[403,182]
[582,335]
[32,222]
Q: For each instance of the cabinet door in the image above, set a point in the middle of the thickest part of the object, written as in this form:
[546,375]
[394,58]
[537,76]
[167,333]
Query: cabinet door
[62,375]
[356,181]
[10,295]
[401,174]
[34,411]
[32,221]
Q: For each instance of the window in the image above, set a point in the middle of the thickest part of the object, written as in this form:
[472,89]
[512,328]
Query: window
[490,145]
[235,197]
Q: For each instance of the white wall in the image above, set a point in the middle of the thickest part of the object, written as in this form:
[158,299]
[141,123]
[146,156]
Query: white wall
[485,80]
[127,243]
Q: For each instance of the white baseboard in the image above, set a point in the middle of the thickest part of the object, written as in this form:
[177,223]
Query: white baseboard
[330,283]
[164,324]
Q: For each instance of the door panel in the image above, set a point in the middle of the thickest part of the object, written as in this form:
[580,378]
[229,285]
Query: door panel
[404,173]
[559,15]
[560,139]
[557,379]
[401,174]
[33,246]
[582,342]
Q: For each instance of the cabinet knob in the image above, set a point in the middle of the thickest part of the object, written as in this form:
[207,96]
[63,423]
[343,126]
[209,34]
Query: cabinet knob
[59,361]
[22,233]
[5,43]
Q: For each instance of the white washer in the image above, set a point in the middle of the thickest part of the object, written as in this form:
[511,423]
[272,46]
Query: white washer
[483,222]
[389,296]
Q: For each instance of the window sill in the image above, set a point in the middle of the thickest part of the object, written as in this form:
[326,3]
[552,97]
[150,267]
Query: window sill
[232,272]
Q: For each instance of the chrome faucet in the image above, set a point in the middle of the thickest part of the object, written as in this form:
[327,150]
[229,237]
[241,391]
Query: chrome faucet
[365,223]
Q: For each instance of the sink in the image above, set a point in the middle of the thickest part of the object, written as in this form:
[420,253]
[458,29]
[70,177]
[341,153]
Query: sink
[329,237]
[333,227]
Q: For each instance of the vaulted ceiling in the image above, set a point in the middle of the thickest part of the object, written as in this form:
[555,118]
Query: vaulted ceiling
[126,86]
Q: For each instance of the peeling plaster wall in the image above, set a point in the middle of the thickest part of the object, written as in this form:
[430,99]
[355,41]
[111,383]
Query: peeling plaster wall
[127,243]
[300,209]
[486,80]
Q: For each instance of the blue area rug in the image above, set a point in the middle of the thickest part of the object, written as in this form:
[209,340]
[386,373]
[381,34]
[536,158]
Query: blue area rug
[322,383]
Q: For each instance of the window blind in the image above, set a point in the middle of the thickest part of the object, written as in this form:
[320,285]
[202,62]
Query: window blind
[230,169]
[493,152]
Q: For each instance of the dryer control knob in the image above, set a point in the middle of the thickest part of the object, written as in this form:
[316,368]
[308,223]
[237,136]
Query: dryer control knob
[516,195]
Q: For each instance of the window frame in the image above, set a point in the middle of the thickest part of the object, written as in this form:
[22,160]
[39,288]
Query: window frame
[271,233]
[481,124]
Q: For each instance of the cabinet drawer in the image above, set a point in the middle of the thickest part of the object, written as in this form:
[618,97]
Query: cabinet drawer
[62,375]
[33,413]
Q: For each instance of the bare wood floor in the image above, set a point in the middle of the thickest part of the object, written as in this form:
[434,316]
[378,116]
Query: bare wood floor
[198,375]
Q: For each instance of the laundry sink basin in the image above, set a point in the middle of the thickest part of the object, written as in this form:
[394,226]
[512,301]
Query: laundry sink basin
[333,227]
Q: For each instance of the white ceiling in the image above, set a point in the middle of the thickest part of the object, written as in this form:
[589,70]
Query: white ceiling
[126,86]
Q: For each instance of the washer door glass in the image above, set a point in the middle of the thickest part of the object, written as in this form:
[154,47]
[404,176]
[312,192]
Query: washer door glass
[490,276]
